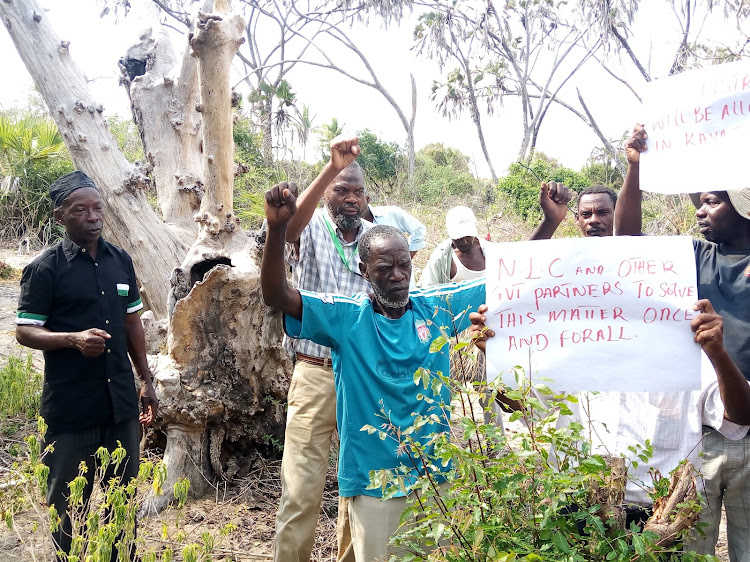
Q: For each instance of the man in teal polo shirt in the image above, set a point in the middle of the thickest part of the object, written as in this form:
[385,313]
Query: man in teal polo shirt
[378,341]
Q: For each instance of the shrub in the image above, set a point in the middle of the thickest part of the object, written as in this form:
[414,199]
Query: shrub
[20,388]
[32,156]
[511,496]
[521,185]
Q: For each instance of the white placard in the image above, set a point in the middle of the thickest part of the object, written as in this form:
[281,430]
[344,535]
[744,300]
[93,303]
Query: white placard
[608,313]
[698,125]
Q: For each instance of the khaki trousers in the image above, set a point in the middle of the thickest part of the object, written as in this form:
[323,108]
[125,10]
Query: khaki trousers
[726,477]
[310,423]
[373,522]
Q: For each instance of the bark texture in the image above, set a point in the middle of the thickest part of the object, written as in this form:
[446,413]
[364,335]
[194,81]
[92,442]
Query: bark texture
[223,383]
[224,379]
[164,100]
[129,222]
[675,513]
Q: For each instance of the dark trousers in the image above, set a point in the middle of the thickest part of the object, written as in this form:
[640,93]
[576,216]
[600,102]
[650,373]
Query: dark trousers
[72,447]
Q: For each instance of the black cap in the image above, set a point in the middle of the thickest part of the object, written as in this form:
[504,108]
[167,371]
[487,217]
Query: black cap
[67,184]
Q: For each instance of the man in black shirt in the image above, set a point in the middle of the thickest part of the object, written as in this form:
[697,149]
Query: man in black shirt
[723,267]
[79,302]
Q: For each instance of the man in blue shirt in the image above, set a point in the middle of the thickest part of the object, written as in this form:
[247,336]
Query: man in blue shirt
[378,341]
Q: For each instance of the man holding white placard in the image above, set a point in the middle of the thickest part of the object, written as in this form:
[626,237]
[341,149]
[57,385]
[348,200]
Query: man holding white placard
[723,267]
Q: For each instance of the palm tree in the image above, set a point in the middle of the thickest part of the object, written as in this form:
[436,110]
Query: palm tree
[32,155]
[327,132]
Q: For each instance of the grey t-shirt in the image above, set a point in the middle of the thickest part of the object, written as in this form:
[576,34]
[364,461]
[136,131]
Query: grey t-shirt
[724,279]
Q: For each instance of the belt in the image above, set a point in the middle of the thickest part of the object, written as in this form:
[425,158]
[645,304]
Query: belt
[324,362]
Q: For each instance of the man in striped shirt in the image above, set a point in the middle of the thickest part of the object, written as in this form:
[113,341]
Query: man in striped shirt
[322,250]
[79,303]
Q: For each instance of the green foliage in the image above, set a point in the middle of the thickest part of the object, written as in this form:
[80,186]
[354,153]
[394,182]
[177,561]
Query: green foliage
[108,520]
[6,271]
[20,388]
[32,156]
[250,186]
[440,173]
[326,133]
[379,160]
[127,136]
[522,183]
[506,496]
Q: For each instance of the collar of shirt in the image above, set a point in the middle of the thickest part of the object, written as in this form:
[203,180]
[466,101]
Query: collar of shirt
[71,249]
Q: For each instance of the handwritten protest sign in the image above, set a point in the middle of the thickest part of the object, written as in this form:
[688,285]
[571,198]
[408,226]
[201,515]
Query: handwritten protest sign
[594,313]
[698,125]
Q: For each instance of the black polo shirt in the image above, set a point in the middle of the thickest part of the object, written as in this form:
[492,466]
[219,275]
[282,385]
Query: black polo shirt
[65,290]
[724,279]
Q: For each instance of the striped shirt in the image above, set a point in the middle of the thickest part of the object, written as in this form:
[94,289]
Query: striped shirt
[318,267]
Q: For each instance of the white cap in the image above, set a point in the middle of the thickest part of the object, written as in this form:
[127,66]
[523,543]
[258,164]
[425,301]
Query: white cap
[741,202]
[461,222]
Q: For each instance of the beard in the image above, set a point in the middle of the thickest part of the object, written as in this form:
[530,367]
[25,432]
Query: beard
[344,222]
[386,301]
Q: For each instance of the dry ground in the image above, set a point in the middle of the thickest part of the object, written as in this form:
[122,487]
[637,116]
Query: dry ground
[250,503]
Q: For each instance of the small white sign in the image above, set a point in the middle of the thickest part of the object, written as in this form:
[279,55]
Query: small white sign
[594,313]
[698,125]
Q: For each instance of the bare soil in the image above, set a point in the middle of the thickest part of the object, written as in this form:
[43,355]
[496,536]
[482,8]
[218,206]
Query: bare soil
[249,503]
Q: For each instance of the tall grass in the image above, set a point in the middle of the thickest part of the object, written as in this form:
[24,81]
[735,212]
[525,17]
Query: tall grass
[20,388]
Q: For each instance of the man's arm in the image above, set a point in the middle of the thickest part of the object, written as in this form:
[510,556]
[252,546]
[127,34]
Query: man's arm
[434,272]
[136,340]
[628,220]
[343,153]
[416,229]
[280,207]
[733,386]
[89,342]
[553,199]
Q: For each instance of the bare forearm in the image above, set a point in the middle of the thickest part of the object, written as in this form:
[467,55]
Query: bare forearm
[734,388]
[39,337]
[276,291]
[308,202]
[628,220]
[136,339]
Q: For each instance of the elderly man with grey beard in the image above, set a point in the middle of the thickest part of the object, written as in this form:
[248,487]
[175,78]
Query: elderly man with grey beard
[322,251]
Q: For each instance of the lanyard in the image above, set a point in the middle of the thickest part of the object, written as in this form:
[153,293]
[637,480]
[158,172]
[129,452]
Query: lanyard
[339,247]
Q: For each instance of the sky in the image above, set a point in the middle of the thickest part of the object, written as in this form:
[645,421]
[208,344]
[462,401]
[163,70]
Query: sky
[96,44]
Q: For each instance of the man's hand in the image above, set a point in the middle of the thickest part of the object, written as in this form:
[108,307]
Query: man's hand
[343,152]
[636,144]
[281,203]
[708,327]
[479,332]
[149,403]
[90,342]
[554,198]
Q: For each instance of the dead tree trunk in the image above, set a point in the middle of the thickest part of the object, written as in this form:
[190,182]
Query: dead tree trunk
[164,100]
[225,373]
[130,222]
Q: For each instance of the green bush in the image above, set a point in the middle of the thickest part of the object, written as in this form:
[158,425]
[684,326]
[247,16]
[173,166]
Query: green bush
[442,173]
[521,185]
[507,497]
[32,156]
[20,388]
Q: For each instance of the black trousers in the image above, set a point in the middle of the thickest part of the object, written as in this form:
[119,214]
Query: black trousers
[72,447]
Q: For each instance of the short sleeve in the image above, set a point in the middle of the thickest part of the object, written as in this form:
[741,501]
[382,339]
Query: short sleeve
[134,296]
[417,231]
[324,319]
[37,291]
